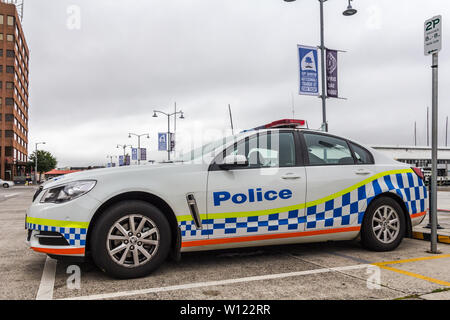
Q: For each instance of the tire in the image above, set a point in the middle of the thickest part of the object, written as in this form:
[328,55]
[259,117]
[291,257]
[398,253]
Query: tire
[123,256]
[379,235]
[5,185]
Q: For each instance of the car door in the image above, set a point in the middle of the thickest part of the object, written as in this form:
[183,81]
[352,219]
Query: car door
[263,199]
[336,169]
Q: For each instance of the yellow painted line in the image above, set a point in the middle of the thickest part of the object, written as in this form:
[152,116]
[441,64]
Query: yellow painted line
[58,223]
[411,260]
[297,206]
[415,275]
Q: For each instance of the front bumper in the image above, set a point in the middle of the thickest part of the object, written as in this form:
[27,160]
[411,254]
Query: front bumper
[60,229]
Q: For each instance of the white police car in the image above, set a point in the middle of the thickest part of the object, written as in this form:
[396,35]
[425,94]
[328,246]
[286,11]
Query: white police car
[275,184]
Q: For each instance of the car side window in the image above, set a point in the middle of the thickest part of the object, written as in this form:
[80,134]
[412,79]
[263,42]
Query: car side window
[326,150]
[267,150]
[362,155]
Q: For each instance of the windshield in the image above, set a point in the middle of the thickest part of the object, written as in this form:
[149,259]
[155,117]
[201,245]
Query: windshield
[205,150]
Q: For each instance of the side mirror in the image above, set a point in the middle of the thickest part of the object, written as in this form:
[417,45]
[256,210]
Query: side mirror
[233,161]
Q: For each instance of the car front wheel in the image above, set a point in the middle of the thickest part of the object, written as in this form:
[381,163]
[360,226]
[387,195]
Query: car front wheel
[130,239]
[5,185]
[383,226]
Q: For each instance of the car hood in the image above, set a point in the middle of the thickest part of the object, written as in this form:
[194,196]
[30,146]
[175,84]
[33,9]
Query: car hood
[118,172]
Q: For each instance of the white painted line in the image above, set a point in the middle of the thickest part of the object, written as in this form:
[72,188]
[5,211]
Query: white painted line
[215,283]
[10,195]
[45,291]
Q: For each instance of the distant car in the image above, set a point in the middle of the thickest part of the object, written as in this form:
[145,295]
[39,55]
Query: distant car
[6,184]
[275,184]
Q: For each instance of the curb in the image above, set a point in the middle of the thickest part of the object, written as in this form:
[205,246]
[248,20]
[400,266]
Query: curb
[427,237]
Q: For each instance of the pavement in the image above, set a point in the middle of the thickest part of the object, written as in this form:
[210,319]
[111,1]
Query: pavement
[331,270]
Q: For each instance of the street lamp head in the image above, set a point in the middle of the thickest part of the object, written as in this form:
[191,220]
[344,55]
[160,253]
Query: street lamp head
[349,11]
[129,135]
[289,0]
[155,115]
[182,115]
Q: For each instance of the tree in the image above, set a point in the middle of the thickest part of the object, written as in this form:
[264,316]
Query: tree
[45,161]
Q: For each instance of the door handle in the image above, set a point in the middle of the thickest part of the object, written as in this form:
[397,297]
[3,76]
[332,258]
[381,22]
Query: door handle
[362,171]
[290,176]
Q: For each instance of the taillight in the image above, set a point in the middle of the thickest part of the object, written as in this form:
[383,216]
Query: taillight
[419,172]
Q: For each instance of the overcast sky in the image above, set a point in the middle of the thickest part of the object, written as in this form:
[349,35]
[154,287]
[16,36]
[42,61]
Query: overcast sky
[90,86]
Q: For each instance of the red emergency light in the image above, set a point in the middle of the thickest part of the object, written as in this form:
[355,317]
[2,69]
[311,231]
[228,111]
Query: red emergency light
[284,123]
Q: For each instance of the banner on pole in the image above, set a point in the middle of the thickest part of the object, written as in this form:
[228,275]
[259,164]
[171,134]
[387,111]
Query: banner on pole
[332,73]
[308,70]
[162,141]
[121,160]
[134,153]
[143,154]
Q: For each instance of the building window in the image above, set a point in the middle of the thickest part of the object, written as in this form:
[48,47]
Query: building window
[9,53]
[1,52]
[10,21]
[9,117]
[9,101]
[9,85]
[1,36]
[10,37]
[1,19]
[9,133]
[9,69]
[1,68]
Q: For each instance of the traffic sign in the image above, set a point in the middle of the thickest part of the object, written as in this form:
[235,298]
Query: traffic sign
[433,35]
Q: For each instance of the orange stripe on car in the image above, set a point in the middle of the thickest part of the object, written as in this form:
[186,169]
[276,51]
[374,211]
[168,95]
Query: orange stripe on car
[416,215]
[196,243]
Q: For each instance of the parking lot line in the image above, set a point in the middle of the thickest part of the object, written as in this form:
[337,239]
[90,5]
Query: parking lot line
[415,275]
[216,283]
[383,265]
[412,260]
[47,284]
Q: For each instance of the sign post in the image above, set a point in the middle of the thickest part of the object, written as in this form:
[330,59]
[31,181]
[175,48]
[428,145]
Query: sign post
[432,45]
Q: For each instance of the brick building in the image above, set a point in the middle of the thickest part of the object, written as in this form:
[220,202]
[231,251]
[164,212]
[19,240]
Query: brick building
[14,58]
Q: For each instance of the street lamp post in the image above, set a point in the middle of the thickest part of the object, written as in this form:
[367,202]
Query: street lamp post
[35,161]
[348,12]
[111,159]
[168,115]
[139,143]
[124,147]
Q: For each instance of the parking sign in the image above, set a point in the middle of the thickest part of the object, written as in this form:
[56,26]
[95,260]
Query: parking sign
[433,35]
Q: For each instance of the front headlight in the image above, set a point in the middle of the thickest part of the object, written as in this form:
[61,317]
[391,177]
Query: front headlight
[67,191]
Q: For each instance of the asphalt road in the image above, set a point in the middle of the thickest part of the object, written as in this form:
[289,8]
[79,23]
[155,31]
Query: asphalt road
[341,270]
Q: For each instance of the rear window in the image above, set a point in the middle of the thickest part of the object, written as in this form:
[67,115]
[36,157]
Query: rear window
[326,150]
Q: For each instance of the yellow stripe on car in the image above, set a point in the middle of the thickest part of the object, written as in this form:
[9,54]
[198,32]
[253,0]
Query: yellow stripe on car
[294,207]
[58,223]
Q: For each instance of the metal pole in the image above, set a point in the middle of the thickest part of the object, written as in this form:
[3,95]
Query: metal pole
[139,150]
[168,138]
[35,165]
[231,119]
[434,142]
[322,49]
[415,133]
[446,130]
[175,123]
[428,128]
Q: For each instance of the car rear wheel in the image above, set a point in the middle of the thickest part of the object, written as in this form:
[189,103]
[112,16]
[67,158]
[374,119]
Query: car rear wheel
[383,226]
[131,239]
[5,185]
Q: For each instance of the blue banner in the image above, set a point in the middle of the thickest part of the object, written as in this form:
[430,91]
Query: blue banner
[309,71]
[162,141]
[134,153]
[121,161]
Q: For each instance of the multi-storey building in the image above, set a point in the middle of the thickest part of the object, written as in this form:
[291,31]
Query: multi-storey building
[14,58]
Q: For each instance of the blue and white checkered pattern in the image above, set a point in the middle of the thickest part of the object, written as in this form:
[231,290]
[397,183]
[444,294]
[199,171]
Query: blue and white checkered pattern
[74,236]
[342,211]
